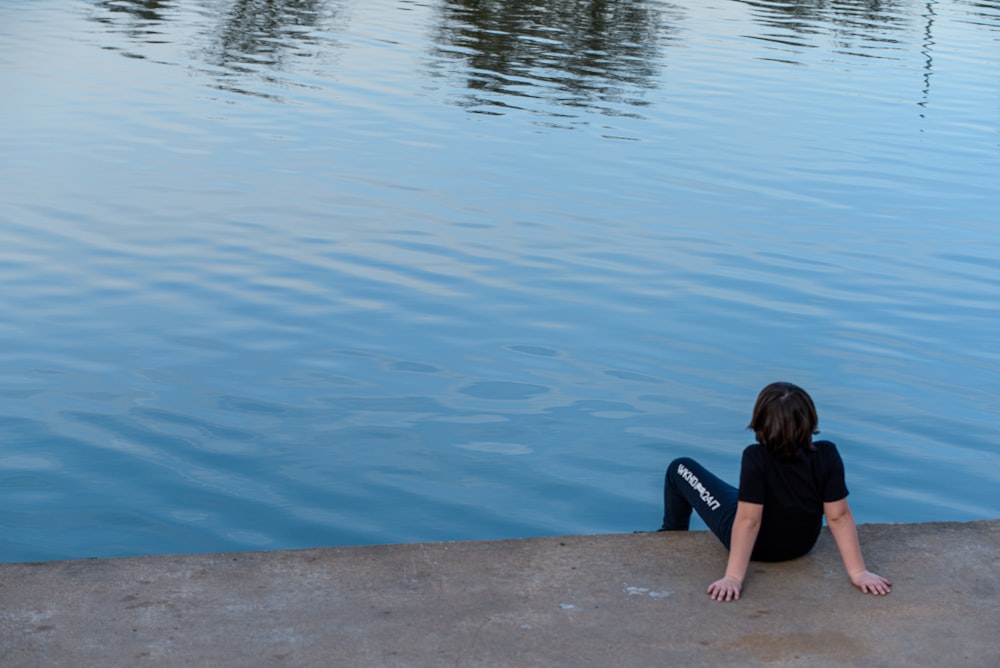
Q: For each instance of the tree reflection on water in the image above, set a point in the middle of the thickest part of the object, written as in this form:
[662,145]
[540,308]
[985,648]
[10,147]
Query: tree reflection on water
[262,38]
[571,52]
[141,10]
[258,33]
[566,52]
[854,24]
[548,56]
[136,18]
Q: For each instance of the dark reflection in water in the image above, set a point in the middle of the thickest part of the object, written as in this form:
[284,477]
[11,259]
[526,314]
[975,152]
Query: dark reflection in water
[254,33]
[135,18]
[587,53]
[927,50]
[860,27]
[544,56]
[247,39]
[141,10]
[258,38]
[986,12]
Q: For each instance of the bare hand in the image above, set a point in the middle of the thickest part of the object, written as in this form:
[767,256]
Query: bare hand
[870,583]
[726,589]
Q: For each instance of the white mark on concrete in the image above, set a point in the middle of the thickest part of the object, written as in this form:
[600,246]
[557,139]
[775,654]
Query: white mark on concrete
[567,606]
[37,617]
[645,591]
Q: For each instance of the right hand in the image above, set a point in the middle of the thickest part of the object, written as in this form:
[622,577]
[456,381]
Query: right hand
[871,583]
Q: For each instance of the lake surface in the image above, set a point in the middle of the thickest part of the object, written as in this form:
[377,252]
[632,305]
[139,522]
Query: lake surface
[302,273]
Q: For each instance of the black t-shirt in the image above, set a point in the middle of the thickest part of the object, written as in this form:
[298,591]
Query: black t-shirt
[792,492]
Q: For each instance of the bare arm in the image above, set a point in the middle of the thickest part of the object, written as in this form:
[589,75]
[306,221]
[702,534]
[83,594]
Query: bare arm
[744,536]
[845,534]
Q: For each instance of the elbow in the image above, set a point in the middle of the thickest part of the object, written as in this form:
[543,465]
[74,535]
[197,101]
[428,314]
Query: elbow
[748,516]
[836,519]
[840,514]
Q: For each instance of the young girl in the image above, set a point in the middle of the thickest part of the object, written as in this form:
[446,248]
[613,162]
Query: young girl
[787,483]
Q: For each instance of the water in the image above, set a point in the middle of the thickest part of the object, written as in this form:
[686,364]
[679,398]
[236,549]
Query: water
[288,274]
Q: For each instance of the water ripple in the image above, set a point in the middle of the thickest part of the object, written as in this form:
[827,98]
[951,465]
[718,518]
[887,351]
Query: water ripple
[299,273]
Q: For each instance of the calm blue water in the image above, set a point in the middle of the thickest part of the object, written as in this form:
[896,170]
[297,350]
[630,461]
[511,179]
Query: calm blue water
[301,273]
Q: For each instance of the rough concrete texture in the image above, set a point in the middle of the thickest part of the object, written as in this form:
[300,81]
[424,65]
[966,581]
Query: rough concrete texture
[611,600]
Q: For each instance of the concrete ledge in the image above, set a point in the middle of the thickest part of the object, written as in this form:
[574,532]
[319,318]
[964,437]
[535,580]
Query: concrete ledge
[613,600]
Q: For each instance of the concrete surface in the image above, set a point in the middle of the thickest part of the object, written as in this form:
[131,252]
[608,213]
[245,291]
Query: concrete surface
[610,600]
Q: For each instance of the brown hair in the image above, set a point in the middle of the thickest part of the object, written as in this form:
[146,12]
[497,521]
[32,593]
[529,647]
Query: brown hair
[784,419]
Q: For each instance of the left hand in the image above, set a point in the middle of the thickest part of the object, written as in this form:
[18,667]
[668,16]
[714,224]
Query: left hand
[725,589]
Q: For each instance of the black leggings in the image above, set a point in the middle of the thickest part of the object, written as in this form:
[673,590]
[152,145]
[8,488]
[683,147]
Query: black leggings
[689,485]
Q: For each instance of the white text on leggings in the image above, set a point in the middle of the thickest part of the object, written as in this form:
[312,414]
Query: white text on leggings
[698,487]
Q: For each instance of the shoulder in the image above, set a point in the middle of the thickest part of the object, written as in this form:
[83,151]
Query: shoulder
[826,449]
[753,473]
[827,455]
[754,456]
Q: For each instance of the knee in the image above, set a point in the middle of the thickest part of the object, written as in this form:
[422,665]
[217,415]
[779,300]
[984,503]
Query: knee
[685,462]
[678,465]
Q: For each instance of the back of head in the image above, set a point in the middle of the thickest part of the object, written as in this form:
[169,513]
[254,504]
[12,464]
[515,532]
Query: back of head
[784,419]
